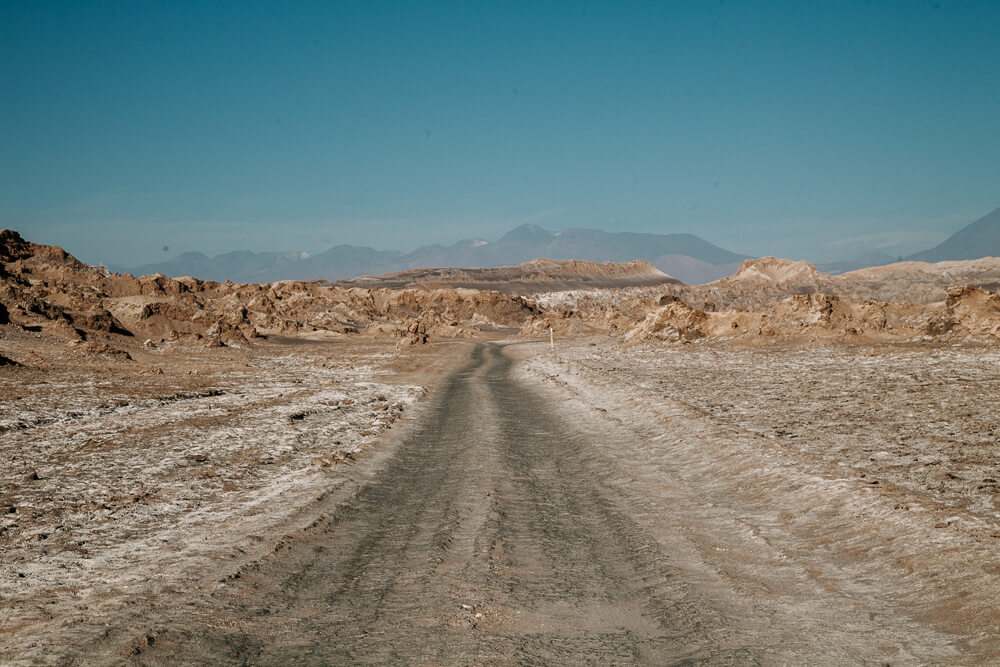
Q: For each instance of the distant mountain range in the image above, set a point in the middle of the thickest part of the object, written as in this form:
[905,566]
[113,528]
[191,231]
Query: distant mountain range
[683,256]
[976,240]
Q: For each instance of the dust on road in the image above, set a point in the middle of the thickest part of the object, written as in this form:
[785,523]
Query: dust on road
[503,531]
[486,538]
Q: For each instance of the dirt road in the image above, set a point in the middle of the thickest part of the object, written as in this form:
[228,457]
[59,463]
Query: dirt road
[505,530]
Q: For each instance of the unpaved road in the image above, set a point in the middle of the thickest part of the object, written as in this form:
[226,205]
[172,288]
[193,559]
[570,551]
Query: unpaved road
[505,529]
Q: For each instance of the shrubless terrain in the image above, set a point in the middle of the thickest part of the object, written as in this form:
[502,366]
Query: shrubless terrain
[777,466]
[122,484]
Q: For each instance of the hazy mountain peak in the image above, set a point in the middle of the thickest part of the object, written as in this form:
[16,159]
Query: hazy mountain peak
[191,256]
[527,233]
[979,239]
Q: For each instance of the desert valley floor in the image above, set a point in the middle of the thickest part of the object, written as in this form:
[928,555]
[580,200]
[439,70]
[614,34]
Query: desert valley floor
[498,501]
[560,462]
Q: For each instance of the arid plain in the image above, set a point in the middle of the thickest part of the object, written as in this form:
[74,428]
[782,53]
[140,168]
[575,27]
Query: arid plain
[562,462]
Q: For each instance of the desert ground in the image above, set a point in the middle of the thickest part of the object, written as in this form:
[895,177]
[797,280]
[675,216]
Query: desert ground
[780,467]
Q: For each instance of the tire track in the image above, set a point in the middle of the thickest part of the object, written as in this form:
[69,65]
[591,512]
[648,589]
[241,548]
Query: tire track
[488,537]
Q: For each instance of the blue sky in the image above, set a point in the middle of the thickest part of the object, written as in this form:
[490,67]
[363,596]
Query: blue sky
[814,130]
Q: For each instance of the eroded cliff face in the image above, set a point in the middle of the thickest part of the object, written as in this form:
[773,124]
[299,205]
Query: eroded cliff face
[772,299]
[45,289]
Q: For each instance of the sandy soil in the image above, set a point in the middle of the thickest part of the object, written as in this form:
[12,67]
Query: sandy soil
[591,504]
[859,479]
[488,538]
[125,481]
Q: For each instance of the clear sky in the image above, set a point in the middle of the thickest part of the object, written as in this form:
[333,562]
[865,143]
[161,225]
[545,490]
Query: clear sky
[814,130]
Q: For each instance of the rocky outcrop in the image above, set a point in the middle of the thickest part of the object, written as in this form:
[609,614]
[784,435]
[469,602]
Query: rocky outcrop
[48,289]
[673,322]
[970,315]
[774,271]
[42,288]
[969,312]
[414,332]
[538,275]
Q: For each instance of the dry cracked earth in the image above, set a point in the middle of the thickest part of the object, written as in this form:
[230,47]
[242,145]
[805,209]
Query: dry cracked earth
[502,502]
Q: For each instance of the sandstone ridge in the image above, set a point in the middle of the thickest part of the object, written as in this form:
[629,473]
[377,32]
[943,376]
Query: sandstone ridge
[539,275]
[46,291]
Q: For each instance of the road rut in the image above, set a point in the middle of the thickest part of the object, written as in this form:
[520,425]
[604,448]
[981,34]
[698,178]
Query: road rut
[488,537]
[516,523]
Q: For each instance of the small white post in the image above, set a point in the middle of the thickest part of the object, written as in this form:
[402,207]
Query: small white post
[552,339]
